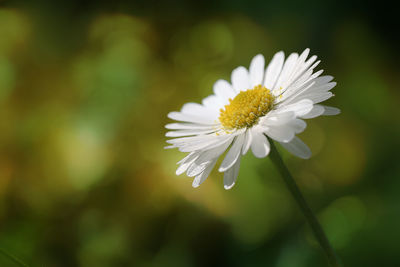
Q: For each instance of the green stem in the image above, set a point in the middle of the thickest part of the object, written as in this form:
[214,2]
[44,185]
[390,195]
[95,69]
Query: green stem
[308,213]
[13,258]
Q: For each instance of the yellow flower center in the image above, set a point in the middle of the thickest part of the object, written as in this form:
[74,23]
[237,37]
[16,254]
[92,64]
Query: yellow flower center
[246,108]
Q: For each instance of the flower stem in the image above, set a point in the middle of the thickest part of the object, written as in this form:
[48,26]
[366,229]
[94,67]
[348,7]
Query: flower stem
[308,213]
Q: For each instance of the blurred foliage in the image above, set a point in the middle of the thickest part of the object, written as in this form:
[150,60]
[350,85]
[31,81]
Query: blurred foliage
[85,87]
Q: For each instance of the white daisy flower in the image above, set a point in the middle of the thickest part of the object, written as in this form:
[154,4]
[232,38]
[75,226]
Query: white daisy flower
[261,102]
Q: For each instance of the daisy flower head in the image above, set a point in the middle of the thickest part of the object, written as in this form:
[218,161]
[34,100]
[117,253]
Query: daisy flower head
[259,104]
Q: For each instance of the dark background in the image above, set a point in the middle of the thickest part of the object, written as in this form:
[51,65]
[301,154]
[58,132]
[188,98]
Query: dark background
[85,87]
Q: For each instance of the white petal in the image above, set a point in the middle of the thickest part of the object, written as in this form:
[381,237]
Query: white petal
[297,148]
[298,68]
[273,70]
[195,169]
[330,111]
[298,125]
[316,89]
[303,69]
[192,139]
[192,108]
[186,162]
[223,90]
[299,108]
[300,78]
[230,176]
[189,157]
[212,104]
[187,126]
[259,145]
[199,179]
[307,71]
[322,88]
[188,132]
[303,56]
[297,93]
[293,95]
[233,154]
[191,118]
[323,79]
[195,109]
[240,79]
[316,111]
[214,152]
[256,70]
[204,145]
[285,133]
[201,163]
[287,69]
[319,97]
[247,142]
[314,84]
[277,118]
[295,86]
[192,143]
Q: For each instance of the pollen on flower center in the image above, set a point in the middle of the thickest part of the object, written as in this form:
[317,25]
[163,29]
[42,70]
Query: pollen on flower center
[246,108]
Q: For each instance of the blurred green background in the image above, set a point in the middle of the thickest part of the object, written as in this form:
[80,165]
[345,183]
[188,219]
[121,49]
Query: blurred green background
[85,87]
